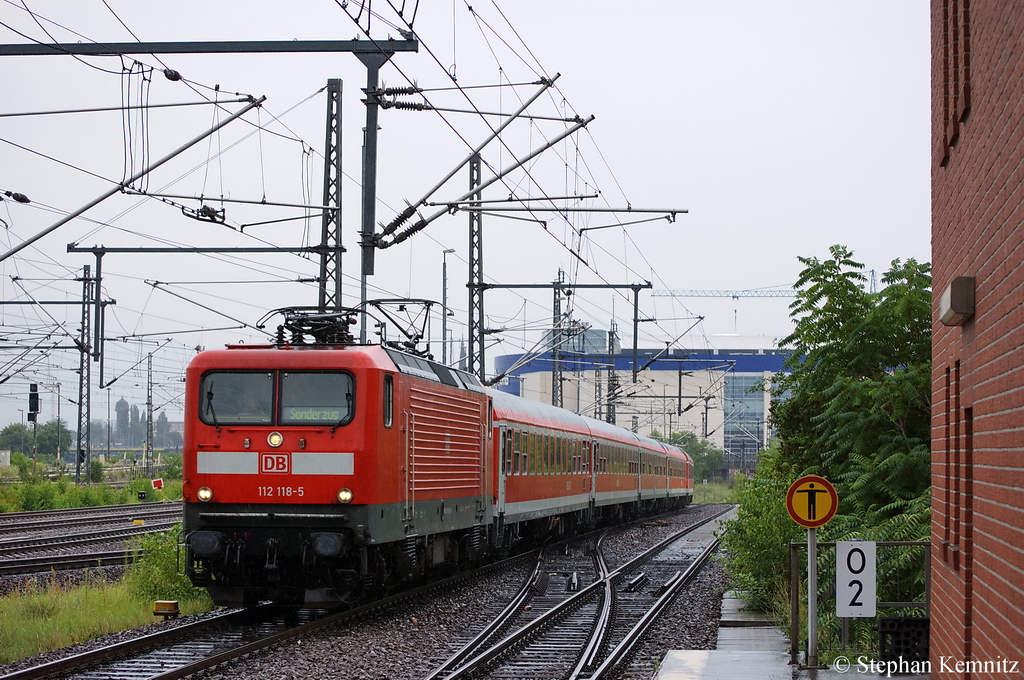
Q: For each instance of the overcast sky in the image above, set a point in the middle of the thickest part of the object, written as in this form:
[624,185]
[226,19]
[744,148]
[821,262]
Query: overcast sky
[782,127]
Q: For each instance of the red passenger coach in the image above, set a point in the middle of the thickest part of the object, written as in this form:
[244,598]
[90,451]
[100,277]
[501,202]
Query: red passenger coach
[558,465]
[321,474]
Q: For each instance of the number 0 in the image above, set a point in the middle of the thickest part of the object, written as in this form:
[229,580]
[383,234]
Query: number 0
[849,561]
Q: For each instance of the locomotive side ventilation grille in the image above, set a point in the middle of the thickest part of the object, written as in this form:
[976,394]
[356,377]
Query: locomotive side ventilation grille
[446,441]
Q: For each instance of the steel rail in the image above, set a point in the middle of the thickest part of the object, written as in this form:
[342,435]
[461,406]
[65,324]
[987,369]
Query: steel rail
[155,640]
[33,565]
[604,618]
[28,514]
[567,606]
[673,586]
[493,627]
[45,524]
[306,628]
[91,657]
[15,545]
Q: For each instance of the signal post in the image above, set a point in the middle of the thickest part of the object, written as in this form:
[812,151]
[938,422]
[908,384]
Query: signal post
[811,502]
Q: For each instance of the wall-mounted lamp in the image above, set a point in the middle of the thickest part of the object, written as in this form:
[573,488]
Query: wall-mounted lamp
[956,305]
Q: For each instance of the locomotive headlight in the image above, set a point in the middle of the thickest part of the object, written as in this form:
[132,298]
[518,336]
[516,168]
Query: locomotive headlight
[275,439]
[345,495]
[204,493]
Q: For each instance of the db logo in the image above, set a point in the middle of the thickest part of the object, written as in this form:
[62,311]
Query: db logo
[275,463]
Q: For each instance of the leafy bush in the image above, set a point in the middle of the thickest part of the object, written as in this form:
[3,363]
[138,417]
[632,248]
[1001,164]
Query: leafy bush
[40,495]
[10,501]
[95,471]
[172,465]
[21,461]
[757,541]
[154,575]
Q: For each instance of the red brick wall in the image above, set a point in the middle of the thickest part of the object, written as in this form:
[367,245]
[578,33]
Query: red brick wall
[978,369]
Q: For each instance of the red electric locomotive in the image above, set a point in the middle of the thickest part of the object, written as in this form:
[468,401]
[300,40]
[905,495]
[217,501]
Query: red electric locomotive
[320,474]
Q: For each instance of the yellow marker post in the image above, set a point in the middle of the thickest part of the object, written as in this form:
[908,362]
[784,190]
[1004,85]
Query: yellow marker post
[811,502]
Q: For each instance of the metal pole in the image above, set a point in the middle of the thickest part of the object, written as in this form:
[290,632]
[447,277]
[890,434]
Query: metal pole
[373,62]
[812,598]
[636,331]
[128,182]
[83,452]
[59,458]
[794,603]
[474,192]
[476,278]
[149,414]
[444,304]
[545,83]
[556,342]
[330,229]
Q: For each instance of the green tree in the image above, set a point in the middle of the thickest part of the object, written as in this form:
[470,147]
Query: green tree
[161,428]
[98,433]
[16,437]
[707,459]
[136,428]
[857,411]
[859,407]
[47,436]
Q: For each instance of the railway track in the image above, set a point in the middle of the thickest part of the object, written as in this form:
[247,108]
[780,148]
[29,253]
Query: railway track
[220,645]
[29,547]
[35,565]
[32,524]
[574,629]
[34,542]
[190,648]
[71,513]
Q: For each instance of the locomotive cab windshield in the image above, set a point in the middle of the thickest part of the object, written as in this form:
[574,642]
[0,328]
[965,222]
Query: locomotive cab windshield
[276,398]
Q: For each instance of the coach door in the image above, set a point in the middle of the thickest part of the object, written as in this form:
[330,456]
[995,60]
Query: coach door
[590,468]
[504,464]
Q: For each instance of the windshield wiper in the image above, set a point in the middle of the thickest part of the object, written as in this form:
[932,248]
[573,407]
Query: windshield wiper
[348,401]
[209,406]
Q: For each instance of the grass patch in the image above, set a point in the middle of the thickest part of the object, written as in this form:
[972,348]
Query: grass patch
[40,618]
[716,492]
[43,618]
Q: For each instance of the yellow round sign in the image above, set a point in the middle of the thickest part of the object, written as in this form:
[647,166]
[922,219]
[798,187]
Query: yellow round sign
[812,501]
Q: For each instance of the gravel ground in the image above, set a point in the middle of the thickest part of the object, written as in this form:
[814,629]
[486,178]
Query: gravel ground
[405,644]
[406,641]
[22,583]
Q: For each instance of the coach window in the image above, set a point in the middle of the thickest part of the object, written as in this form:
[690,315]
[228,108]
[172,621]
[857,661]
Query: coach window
[508,453]
[529,441]
[538,461]
[316,398]
[517,442]
[389,400]
[236,397]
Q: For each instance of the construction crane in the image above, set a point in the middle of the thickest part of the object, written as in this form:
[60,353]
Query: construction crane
[789,292]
